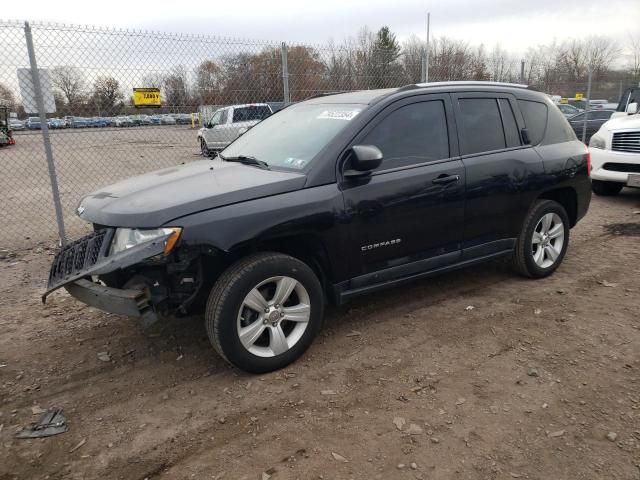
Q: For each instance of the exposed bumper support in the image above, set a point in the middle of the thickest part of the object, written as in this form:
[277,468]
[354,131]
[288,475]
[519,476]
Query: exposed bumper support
[130,302]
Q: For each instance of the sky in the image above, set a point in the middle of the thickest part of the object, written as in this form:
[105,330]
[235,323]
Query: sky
[515,25]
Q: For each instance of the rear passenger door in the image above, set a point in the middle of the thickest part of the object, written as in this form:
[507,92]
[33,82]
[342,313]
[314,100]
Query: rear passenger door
[502,173]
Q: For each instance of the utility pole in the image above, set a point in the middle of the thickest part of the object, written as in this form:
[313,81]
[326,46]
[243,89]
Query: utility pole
[522,71]
[426,59]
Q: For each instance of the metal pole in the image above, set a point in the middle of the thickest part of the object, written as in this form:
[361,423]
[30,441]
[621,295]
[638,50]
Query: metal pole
[522,71]
[35,77]
[285,75]
[423,65]
[586,110]
[426,60]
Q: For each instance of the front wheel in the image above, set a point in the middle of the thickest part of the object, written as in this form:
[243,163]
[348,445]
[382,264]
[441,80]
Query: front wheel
[606,189]
[543,241]
[264,312]
[203,148]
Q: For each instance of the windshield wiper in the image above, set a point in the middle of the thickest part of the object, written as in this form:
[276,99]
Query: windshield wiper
[246,160]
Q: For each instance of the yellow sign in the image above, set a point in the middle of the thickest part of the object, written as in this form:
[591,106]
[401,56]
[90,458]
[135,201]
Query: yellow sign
[579,96]
[564,101]
[146,97]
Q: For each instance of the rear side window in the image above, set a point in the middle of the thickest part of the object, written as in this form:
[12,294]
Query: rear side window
[511,134]
[535,119]
[411,134]
[246,114]
[481,125]
[558,128]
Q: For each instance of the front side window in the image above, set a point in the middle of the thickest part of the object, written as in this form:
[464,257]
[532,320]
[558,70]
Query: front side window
[412,134]
[482,129]
[215,119]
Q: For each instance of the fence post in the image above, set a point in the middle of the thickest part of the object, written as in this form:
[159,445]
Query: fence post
[285,75]
[586,110]
[44,128]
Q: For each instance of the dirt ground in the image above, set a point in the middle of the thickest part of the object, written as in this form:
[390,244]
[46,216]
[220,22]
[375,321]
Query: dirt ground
[473,375]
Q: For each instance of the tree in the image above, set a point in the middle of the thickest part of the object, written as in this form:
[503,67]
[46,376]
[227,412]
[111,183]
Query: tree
[7,98]
[107,96]
[386,50]
[209,82]
[633,46]
[70,81]
[176,87]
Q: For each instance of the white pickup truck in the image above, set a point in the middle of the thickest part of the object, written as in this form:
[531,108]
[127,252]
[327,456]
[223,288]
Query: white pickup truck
[615,153]
[226,124]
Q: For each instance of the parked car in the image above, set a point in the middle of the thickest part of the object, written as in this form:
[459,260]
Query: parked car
[595,119]
[143,119]
[97,122]
[615,150]
[155,120]
[79,122]
[167,120]
[182,118]
[226,124]
[56,123]
[15,124]
[568,110]
[122,121]
[33,123]
[331,198]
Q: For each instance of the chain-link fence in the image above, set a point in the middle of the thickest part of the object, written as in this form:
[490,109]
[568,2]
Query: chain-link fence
[76,128]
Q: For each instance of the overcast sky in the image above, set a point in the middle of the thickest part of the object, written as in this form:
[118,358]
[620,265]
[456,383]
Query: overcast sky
[514,24]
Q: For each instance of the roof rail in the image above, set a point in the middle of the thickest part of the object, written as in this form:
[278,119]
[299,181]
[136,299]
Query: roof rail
[467,83]
[326,94]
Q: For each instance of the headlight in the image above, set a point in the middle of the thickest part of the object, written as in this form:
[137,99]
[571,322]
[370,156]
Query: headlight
[597,142]
[126,238]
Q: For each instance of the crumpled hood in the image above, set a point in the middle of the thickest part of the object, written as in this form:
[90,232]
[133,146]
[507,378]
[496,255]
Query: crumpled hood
[153,199]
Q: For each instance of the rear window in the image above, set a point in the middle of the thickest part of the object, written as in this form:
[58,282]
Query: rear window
[535,119]
[482,125]
[246,114]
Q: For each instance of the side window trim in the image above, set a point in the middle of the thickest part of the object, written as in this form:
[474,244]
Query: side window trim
[502,118]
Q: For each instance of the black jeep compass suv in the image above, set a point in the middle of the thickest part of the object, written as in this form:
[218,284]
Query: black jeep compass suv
[330,198]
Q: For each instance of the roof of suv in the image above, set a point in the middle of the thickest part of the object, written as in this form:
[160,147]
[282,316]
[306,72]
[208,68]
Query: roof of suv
[371,96]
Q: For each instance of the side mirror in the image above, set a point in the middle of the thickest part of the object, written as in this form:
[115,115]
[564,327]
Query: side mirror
[632,108]
[364,159]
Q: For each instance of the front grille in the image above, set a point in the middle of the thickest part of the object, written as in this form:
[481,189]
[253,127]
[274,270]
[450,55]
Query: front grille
[626,142]
[622,167]
[76,257]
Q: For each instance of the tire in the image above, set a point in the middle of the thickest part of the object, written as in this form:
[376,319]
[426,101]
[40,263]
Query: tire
[541,246]
[606,189]
[274,335]
[203,148]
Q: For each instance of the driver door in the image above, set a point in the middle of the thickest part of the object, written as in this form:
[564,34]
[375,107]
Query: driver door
[213,135]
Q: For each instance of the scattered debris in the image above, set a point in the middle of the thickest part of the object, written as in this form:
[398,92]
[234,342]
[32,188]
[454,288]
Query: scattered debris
[81,443]
[400,466]
[37,410]
[604,283]
[51,423]
[338,457]
[413,465]
[414,430]
[353,333]
[328,392]
[533,372]
[399,422]
[469,308]
[612,436]
[104,357]
[537,311]
[559,433]
[461,401]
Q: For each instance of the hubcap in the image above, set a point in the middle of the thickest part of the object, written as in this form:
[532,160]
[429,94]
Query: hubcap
[273,316]
[548,240]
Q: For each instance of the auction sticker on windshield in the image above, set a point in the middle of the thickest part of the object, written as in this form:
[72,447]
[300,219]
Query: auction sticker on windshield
[338,114]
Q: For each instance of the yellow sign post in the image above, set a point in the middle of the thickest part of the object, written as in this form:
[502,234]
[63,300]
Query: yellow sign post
[579,96]
[146,97]
[564,101]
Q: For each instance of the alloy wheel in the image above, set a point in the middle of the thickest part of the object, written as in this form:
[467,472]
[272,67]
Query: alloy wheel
[548,240]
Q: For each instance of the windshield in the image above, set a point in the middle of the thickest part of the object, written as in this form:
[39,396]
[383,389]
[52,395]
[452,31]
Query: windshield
[294,136]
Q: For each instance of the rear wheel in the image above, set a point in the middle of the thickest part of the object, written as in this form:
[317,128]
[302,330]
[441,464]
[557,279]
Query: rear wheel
[606,189]
[264,311]
[544,239]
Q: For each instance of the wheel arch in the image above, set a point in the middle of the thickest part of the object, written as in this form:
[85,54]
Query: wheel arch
[568,198]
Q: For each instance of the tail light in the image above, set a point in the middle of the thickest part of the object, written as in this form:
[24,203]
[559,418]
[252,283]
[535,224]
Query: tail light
[587,158]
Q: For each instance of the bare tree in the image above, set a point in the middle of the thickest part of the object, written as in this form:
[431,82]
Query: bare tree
[7,98]
[209,82]
[70,81]
[501,65]
[107,96]
[633,46]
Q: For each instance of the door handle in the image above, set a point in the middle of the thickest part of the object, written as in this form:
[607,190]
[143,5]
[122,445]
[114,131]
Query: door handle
[444,179]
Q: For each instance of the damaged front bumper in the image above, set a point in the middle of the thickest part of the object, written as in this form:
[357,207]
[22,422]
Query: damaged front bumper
[78,261]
